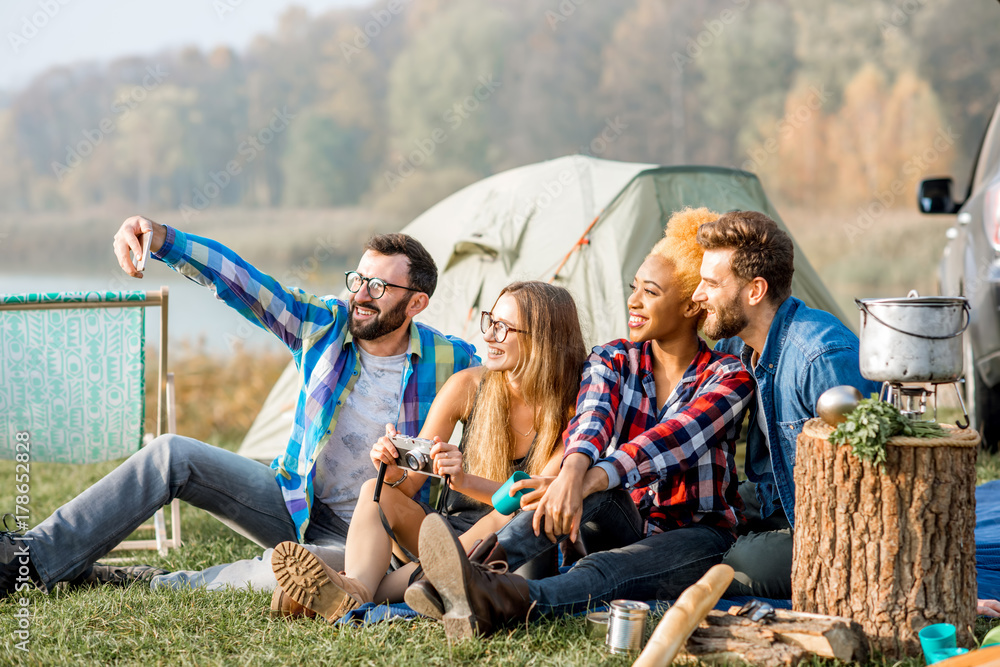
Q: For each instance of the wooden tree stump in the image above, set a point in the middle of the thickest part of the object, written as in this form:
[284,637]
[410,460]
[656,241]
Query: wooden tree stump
[894,551]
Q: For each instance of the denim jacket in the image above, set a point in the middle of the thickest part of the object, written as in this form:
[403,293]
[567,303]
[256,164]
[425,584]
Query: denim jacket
[807,351]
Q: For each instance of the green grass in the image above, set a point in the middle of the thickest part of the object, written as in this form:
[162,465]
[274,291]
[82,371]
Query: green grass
[139,626]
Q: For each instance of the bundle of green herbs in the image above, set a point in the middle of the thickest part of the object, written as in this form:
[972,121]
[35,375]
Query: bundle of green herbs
[867,428]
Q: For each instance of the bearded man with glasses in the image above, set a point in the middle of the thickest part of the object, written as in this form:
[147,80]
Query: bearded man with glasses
[363,363]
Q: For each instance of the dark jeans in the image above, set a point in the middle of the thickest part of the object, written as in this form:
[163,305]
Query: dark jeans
[658,567]
[762,554]
[611,514]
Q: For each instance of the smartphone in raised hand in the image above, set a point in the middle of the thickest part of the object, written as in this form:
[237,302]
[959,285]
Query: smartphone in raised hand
[140,261]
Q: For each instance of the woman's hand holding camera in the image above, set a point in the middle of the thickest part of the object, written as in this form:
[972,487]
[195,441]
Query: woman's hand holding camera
[383,451]
[448,461]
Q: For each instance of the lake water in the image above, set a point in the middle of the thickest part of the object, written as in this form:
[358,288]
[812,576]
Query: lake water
[194,312]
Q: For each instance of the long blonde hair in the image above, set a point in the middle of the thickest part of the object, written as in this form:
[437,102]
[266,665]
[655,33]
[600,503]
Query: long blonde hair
[551,359]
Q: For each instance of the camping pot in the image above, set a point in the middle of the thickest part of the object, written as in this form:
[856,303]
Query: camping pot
[916,339]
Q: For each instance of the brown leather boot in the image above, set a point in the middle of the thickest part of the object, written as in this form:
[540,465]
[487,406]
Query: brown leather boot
[424,599]
[477,599]
[283,606]
[315,585]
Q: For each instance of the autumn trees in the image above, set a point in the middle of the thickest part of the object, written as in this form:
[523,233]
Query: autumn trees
[398,103]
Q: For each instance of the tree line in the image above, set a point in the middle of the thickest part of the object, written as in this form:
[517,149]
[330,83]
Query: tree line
[397,104]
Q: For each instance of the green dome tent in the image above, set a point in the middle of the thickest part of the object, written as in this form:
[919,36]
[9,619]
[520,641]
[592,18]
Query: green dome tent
[580,222]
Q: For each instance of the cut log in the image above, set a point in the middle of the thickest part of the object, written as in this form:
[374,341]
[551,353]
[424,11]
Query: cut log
[675,626]
[786,640]
[893,550]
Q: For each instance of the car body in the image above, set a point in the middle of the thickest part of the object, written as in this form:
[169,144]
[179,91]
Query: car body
[970,267]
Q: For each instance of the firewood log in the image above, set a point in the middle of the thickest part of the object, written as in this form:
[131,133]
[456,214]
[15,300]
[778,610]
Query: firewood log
[676,625]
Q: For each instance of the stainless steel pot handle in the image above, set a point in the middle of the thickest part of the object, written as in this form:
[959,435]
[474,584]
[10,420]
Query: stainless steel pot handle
[863,307]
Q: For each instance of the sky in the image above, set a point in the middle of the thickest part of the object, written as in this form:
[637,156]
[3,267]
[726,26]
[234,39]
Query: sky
[39,34]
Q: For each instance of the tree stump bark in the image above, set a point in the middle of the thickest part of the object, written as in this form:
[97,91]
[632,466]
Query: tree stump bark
[894,551]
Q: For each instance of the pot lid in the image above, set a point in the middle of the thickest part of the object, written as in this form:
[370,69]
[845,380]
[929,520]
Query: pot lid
[914,299]
[933,301]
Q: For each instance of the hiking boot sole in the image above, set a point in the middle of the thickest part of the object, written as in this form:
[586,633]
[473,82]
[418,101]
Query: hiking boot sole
[442,557]
[302,576]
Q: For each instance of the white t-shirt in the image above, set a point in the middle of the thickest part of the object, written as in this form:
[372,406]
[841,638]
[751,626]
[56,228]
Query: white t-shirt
[343,464]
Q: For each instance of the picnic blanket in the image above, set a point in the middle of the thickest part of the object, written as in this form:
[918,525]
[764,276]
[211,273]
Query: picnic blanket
[987,566]
[373,613]
[988,540]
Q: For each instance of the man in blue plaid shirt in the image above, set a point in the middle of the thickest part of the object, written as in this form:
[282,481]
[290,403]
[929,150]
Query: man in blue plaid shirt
[363,364]
[656,423]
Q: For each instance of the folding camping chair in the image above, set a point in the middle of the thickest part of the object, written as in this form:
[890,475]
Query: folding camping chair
[72,377]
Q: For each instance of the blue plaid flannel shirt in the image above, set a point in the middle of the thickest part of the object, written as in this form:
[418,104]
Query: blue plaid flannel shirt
[315,330]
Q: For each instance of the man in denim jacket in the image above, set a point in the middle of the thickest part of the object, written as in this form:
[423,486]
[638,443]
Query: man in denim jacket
[794,353]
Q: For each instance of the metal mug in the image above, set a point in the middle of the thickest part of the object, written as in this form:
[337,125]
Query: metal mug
[626,626]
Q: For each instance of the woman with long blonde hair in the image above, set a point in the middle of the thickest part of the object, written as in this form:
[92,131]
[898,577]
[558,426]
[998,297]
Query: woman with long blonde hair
[514,408]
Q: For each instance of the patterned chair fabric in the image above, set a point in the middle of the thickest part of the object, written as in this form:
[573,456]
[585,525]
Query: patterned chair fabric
[74,378]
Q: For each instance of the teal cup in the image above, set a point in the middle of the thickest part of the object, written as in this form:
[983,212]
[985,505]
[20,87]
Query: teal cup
[938,642]
[503,502]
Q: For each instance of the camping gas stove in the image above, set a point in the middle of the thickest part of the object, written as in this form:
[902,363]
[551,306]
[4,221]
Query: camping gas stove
[912,399]
[912,346]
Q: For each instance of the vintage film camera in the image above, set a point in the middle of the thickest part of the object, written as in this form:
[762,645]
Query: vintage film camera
[414,454]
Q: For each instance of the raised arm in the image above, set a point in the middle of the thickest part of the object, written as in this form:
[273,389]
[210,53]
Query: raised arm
[289,313]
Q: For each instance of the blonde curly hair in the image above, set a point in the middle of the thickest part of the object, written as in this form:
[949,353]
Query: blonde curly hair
[680,247]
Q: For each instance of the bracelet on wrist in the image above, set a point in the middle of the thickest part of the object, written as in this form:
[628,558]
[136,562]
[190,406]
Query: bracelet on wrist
[400,480]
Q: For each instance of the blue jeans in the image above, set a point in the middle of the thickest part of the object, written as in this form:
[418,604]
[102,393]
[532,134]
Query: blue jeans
[611,515]
[762,555]
[239,492]
[658,567]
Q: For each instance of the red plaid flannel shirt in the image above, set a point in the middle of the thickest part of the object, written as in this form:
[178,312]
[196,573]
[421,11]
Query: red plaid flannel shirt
[679,464]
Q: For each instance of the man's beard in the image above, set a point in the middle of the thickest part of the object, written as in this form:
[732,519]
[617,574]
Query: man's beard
[730,320]
[383,323]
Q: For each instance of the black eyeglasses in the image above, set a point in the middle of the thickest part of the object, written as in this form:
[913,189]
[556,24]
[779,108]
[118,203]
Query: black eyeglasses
[500,329]
[376,286]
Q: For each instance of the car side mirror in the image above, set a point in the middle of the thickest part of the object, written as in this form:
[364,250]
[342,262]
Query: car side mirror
[934,196]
